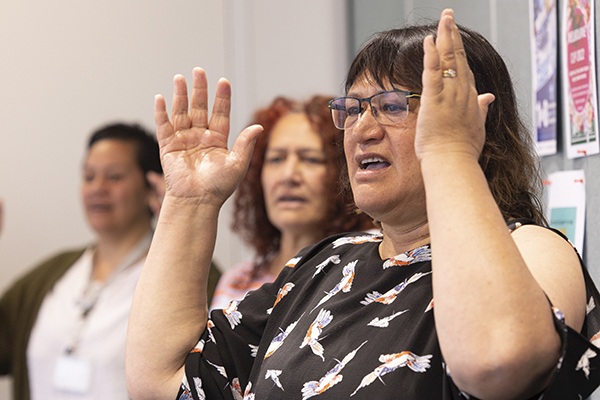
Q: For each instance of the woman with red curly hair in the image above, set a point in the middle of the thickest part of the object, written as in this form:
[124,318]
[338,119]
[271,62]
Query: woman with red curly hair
[291,196]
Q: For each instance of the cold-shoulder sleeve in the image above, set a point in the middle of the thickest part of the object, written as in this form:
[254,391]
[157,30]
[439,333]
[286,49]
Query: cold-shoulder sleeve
[577,374]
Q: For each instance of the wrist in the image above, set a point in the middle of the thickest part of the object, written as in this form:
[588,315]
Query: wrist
[189,210]
[448,154]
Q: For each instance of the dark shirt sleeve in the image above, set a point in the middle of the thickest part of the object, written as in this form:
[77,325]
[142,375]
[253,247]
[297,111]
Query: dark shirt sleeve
[577,374]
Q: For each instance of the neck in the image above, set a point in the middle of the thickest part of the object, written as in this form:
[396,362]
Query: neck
[398,240]
[291,243]
[112,249]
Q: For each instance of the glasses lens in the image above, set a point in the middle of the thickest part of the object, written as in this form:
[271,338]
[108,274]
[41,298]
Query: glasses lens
[344,111]
[392,107]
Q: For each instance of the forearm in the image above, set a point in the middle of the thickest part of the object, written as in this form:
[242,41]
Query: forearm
[489,309]
[169,309]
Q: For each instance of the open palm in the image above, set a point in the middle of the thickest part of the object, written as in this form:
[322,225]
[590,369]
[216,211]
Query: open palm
[193,149]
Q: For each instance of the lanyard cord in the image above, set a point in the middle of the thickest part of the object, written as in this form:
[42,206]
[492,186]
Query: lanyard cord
[90,295]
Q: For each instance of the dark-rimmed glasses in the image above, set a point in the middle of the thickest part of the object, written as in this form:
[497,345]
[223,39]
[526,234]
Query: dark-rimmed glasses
[388,108]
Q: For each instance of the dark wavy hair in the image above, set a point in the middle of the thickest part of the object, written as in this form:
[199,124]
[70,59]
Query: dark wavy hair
[146,147]
[250,214]
[511,167]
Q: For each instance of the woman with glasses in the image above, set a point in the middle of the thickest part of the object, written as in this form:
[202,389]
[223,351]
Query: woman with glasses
[464,294]
[291,196]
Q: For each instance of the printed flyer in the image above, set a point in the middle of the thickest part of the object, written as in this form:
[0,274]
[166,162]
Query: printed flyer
[566,204]
[578,64]
[544,52]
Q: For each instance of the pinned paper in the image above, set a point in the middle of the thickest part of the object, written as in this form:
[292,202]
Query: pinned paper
[566,204]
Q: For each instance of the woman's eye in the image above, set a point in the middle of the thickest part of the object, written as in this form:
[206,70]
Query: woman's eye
[273,159]
[115,177]
[353,111]
[314,160]
[392,108]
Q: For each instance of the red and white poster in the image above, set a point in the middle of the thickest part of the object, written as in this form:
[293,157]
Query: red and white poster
[578,64]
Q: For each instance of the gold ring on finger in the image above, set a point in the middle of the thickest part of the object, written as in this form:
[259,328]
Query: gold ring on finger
[449,73]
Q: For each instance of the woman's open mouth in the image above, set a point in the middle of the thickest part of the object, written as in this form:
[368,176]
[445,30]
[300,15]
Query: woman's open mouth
[373,163]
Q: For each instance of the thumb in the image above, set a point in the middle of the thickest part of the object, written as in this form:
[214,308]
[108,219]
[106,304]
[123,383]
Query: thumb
[484,101]
[244,144]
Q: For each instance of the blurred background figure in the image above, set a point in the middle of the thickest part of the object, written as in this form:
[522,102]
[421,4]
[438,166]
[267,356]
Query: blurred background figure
[291,196]
[63,325]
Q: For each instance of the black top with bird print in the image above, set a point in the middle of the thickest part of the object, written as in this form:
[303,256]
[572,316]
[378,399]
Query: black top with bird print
[341,322]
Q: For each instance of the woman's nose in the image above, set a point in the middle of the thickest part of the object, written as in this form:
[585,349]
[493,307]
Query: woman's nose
[291,171]
[97,184]
[366,127]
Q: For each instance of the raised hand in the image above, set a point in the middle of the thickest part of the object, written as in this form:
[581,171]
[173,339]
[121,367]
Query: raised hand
[451,114]
[196,161]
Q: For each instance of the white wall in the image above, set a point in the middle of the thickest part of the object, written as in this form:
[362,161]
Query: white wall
[69,66]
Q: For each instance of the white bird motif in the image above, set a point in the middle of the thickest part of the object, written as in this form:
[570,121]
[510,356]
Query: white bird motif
[391,362]
[199,389]
[331,378]
[292,263]
[429,306]
[390,295]
[335,259]
[278,340]
[590,306]
[232,314]
[236,389]
[199,348]
[209,325]
[584,362]
[344,285]
[283,291]
[247,394]
[357,240]
[314,331]
[253,350]
[414,256]
[274,375]
[384,322]
[219,368]
[186,393]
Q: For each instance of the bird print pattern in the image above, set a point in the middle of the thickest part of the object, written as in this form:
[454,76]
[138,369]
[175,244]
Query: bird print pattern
[372,337]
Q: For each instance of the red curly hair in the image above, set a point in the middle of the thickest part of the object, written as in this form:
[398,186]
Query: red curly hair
[250,214]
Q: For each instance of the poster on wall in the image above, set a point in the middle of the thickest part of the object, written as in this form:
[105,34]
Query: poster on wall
[544,37]
[578,65]
[566,204]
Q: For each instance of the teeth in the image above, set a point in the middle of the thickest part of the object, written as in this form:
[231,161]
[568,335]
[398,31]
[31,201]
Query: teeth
[372,160]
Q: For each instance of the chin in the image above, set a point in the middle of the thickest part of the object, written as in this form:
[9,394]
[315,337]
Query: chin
[373,207]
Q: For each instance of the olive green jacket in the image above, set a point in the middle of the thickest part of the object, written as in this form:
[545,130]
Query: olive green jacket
[18,312]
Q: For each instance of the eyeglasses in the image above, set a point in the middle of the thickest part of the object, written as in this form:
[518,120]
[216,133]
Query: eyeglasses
[388,108]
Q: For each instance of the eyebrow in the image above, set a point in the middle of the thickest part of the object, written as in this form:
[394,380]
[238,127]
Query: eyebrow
[355,95]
